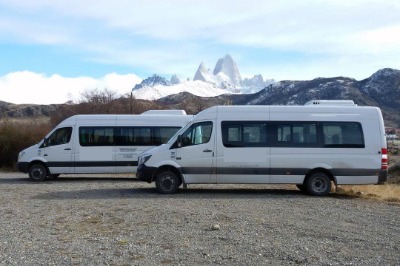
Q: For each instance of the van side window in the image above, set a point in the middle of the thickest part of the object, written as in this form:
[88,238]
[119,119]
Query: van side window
[342,135]
[125,136]
[244,134]
[60,136]
[163,134]
[292,134]
[198,133]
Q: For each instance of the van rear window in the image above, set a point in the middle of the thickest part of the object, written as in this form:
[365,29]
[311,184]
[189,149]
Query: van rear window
[342,135]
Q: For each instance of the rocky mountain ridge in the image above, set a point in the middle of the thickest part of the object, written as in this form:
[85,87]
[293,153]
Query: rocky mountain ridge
[10,110]
[224,79]
[382,89]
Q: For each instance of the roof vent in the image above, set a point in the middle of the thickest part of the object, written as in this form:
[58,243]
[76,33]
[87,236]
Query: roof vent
[331,103]
[164,112]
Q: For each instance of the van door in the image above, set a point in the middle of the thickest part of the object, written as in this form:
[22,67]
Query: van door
[243,155]
[57,149]
[195,156]
[95,150]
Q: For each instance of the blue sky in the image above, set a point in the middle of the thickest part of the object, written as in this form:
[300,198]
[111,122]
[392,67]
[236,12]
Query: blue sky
[61,48]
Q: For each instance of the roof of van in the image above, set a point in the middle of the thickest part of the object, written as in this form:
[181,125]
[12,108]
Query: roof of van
[331,103]
[334,108]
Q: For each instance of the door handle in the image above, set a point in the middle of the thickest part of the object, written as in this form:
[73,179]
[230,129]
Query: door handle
[67,149]
[207,150]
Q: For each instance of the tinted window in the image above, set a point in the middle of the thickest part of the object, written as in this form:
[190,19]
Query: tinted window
[292,134]
[125,136]
[60,136]
[244,134]
[286,134]
[198,133]
[342,134]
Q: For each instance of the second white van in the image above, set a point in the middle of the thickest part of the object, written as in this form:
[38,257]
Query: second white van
[99,143]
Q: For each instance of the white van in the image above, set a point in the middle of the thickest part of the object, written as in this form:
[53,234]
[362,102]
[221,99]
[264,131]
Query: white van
[99,143]
[309,146]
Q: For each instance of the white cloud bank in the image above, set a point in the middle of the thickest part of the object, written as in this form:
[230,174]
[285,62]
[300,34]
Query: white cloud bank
[29,87]
[163,36]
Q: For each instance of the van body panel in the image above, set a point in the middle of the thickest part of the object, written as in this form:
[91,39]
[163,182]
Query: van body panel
[282,144]
[242,164]
[76,144]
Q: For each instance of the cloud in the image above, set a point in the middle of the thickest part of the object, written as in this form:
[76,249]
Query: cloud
[29,87]
[171,36]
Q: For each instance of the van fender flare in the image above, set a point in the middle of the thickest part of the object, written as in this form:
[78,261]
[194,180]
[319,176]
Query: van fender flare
[39,160]
[168,164]
[321,167]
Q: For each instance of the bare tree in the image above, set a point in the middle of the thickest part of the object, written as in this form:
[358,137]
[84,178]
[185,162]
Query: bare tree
[100,102]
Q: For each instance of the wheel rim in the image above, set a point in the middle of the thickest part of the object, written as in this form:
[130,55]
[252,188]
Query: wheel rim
[167,183]
[37,173]
[319,184]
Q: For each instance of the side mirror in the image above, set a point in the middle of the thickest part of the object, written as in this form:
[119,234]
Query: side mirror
[179,141]
[44,144]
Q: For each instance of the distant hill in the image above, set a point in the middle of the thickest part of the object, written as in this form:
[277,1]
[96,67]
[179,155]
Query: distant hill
[10,110]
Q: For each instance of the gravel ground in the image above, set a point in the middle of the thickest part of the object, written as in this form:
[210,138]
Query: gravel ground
[115,220]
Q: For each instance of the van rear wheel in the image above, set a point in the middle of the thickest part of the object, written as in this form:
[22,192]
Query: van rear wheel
[37,172]
[318,184]
[167,182]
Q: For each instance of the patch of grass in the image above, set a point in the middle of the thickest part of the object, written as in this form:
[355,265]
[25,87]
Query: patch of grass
[122,242]
[385,192]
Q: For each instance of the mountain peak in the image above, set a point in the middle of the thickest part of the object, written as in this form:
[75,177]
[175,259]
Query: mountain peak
[385,72]
[152,81]
[227,66]
[203,74]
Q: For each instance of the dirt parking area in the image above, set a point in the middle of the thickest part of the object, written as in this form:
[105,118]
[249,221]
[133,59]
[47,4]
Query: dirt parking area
[115,220]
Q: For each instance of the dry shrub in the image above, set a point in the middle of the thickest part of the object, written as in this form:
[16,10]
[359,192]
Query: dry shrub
[15,137]
[385,192]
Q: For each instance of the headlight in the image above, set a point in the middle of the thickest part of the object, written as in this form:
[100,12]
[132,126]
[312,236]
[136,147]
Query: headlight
[144,158]
[20,155]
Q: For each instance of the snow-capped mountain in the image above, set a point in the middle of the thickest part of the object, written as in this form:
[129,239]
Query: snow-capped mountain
[151,82]
[255,84]
[225,79]
[204,74]
[382,89]
[225,75]
[197,87]
[227,70]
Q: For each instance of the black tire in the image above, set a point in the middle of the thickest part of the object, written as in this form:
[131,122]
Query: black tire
[54,176]
[302,188]
[167,182]
[318,184]
[37,172]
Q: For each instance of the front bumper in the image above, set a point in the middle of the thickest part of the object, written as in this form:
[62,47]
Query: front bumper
[23,167]
[145,173]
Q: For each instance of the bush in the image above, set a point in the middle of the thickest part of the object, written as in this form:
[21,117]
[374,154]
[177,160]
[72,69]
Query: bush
[15,137]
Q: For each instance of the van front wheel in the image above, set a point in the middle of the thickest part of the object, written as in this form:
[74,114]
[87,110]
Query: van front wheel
[167,182]
[318,184]
[37,172]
